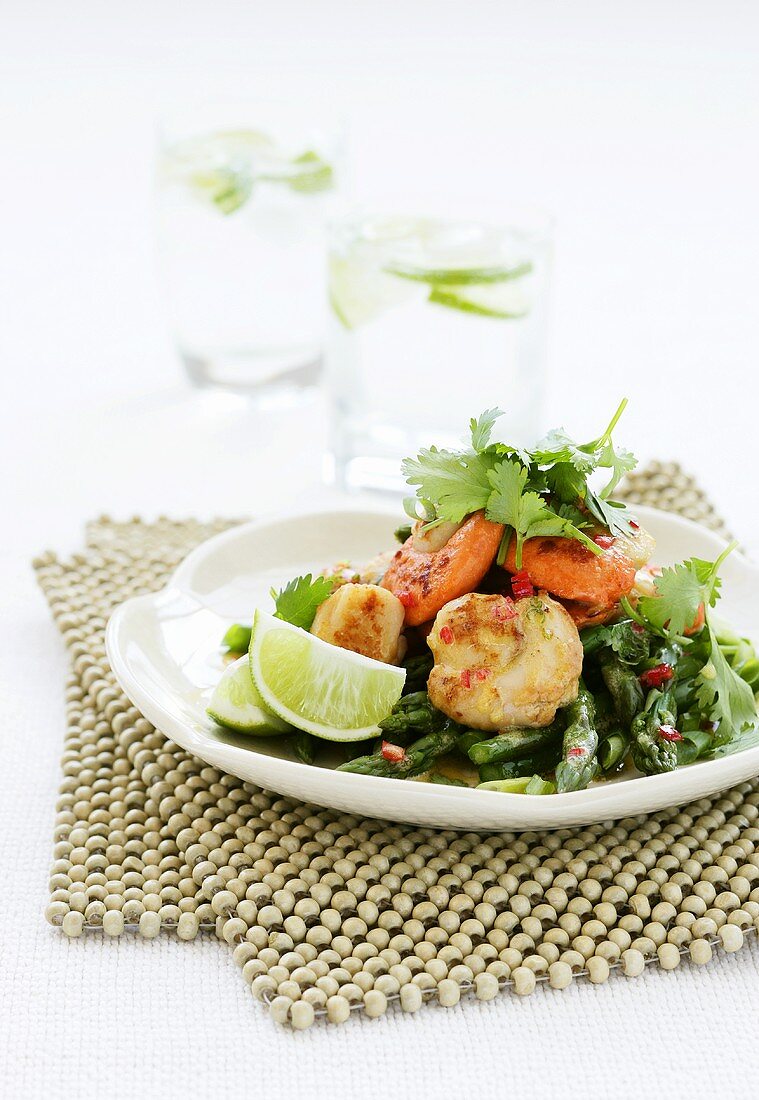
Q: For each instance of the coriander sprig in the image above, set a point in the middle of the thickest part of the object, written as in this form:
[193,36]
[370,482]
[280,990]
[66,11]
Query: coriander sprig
[682,591]
[299,600]
[540,492]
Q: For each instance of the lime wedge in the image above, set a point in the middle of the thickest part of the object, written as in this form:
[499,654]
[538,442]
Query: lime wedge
[236,704]
[359,291]
[327,691]
[460,276]
[505,301]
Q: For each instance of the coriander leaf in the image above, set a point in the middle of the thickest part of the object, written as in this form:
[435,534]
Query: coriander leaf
[572,463]
[611,513]
[504,450]
[678,597]
[298,601]
[508,481]
[572,513]
[524,510]
[482,427]
[557,446]
[455,483]
[680,592]
[565,481]
[625,638]
[620,462]
[726,697]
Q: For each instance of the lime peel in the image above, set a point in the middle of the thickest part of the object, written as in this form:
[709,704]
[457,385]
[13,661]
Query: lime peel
[236,703]
[332,693]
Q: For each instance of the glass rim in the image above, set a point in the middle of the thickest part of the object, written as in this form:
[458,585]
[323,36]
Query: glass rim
[531,222]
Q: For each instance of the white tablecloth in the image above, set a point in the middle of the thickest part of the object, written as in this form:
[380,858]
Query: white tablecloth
[636,128]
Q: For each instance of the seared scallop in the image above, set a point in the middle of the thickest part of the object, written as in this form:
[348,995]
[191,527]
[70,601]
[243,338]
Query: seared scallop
[501,663]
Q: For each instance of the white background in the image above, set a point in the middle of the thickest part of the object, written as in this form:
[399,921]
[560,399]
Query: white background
[636,125]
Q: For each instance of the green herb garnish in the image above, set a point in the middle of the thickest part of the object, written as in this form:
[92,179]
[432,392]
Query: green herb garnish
[540,492]
[299,600]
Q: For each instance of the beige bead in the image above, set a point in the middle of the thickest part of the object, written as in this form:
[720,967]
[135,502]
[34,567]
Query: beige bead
[669,956]
[559,975]
[113,922]
[338,1009]
[261,985]
[73,925]
[731,937]
[279,1009]
[375,1003]
[448,992]
[301,1015]
[598,969]
[537,963]
[524,981]
[150,925]
[187,926]
[411,998]
[700,952]
[485,986]
[633,962]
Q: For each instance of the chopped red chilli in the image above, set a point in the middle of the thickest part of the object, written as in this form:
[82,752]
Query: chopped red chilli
[578,751]
[481,673]
[504,610]
[394,754]
[655,677]
[635,525]
[446,635]
[465,678]
[669,733]
[521,585]
[604,541]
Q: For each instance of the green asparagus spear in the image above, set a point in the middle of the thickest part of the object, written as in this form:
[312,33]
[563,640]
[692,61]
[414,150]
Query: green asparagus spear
[418,671]
[237,638]
[524,785]
[416,759]
[446,781]
[469,738]
[515,744]
[613,750]
[654,746]
[305,746]
[693,745]
[512,769]
[579,765]
[624,686]
[412,715]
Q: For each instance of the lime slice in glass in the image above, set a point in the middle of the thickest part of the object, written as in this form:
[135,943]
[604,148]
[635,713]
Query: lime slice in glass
[237,704]
[460,276]
[217,167]
[504,301]
[327,691]
[227,188]
[359,291]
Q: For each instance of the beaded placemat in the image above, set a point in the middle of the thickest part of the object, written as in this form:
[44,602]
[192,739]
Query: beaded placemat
[327,912]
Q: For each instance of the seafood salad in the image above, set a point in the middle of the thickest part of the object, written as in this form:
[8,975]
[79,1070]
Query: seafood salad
[518,637]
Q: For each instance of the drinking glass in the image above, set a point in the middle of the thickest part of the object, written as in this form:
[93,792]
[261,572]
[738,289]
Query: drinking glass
[243,197]
[433,320]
